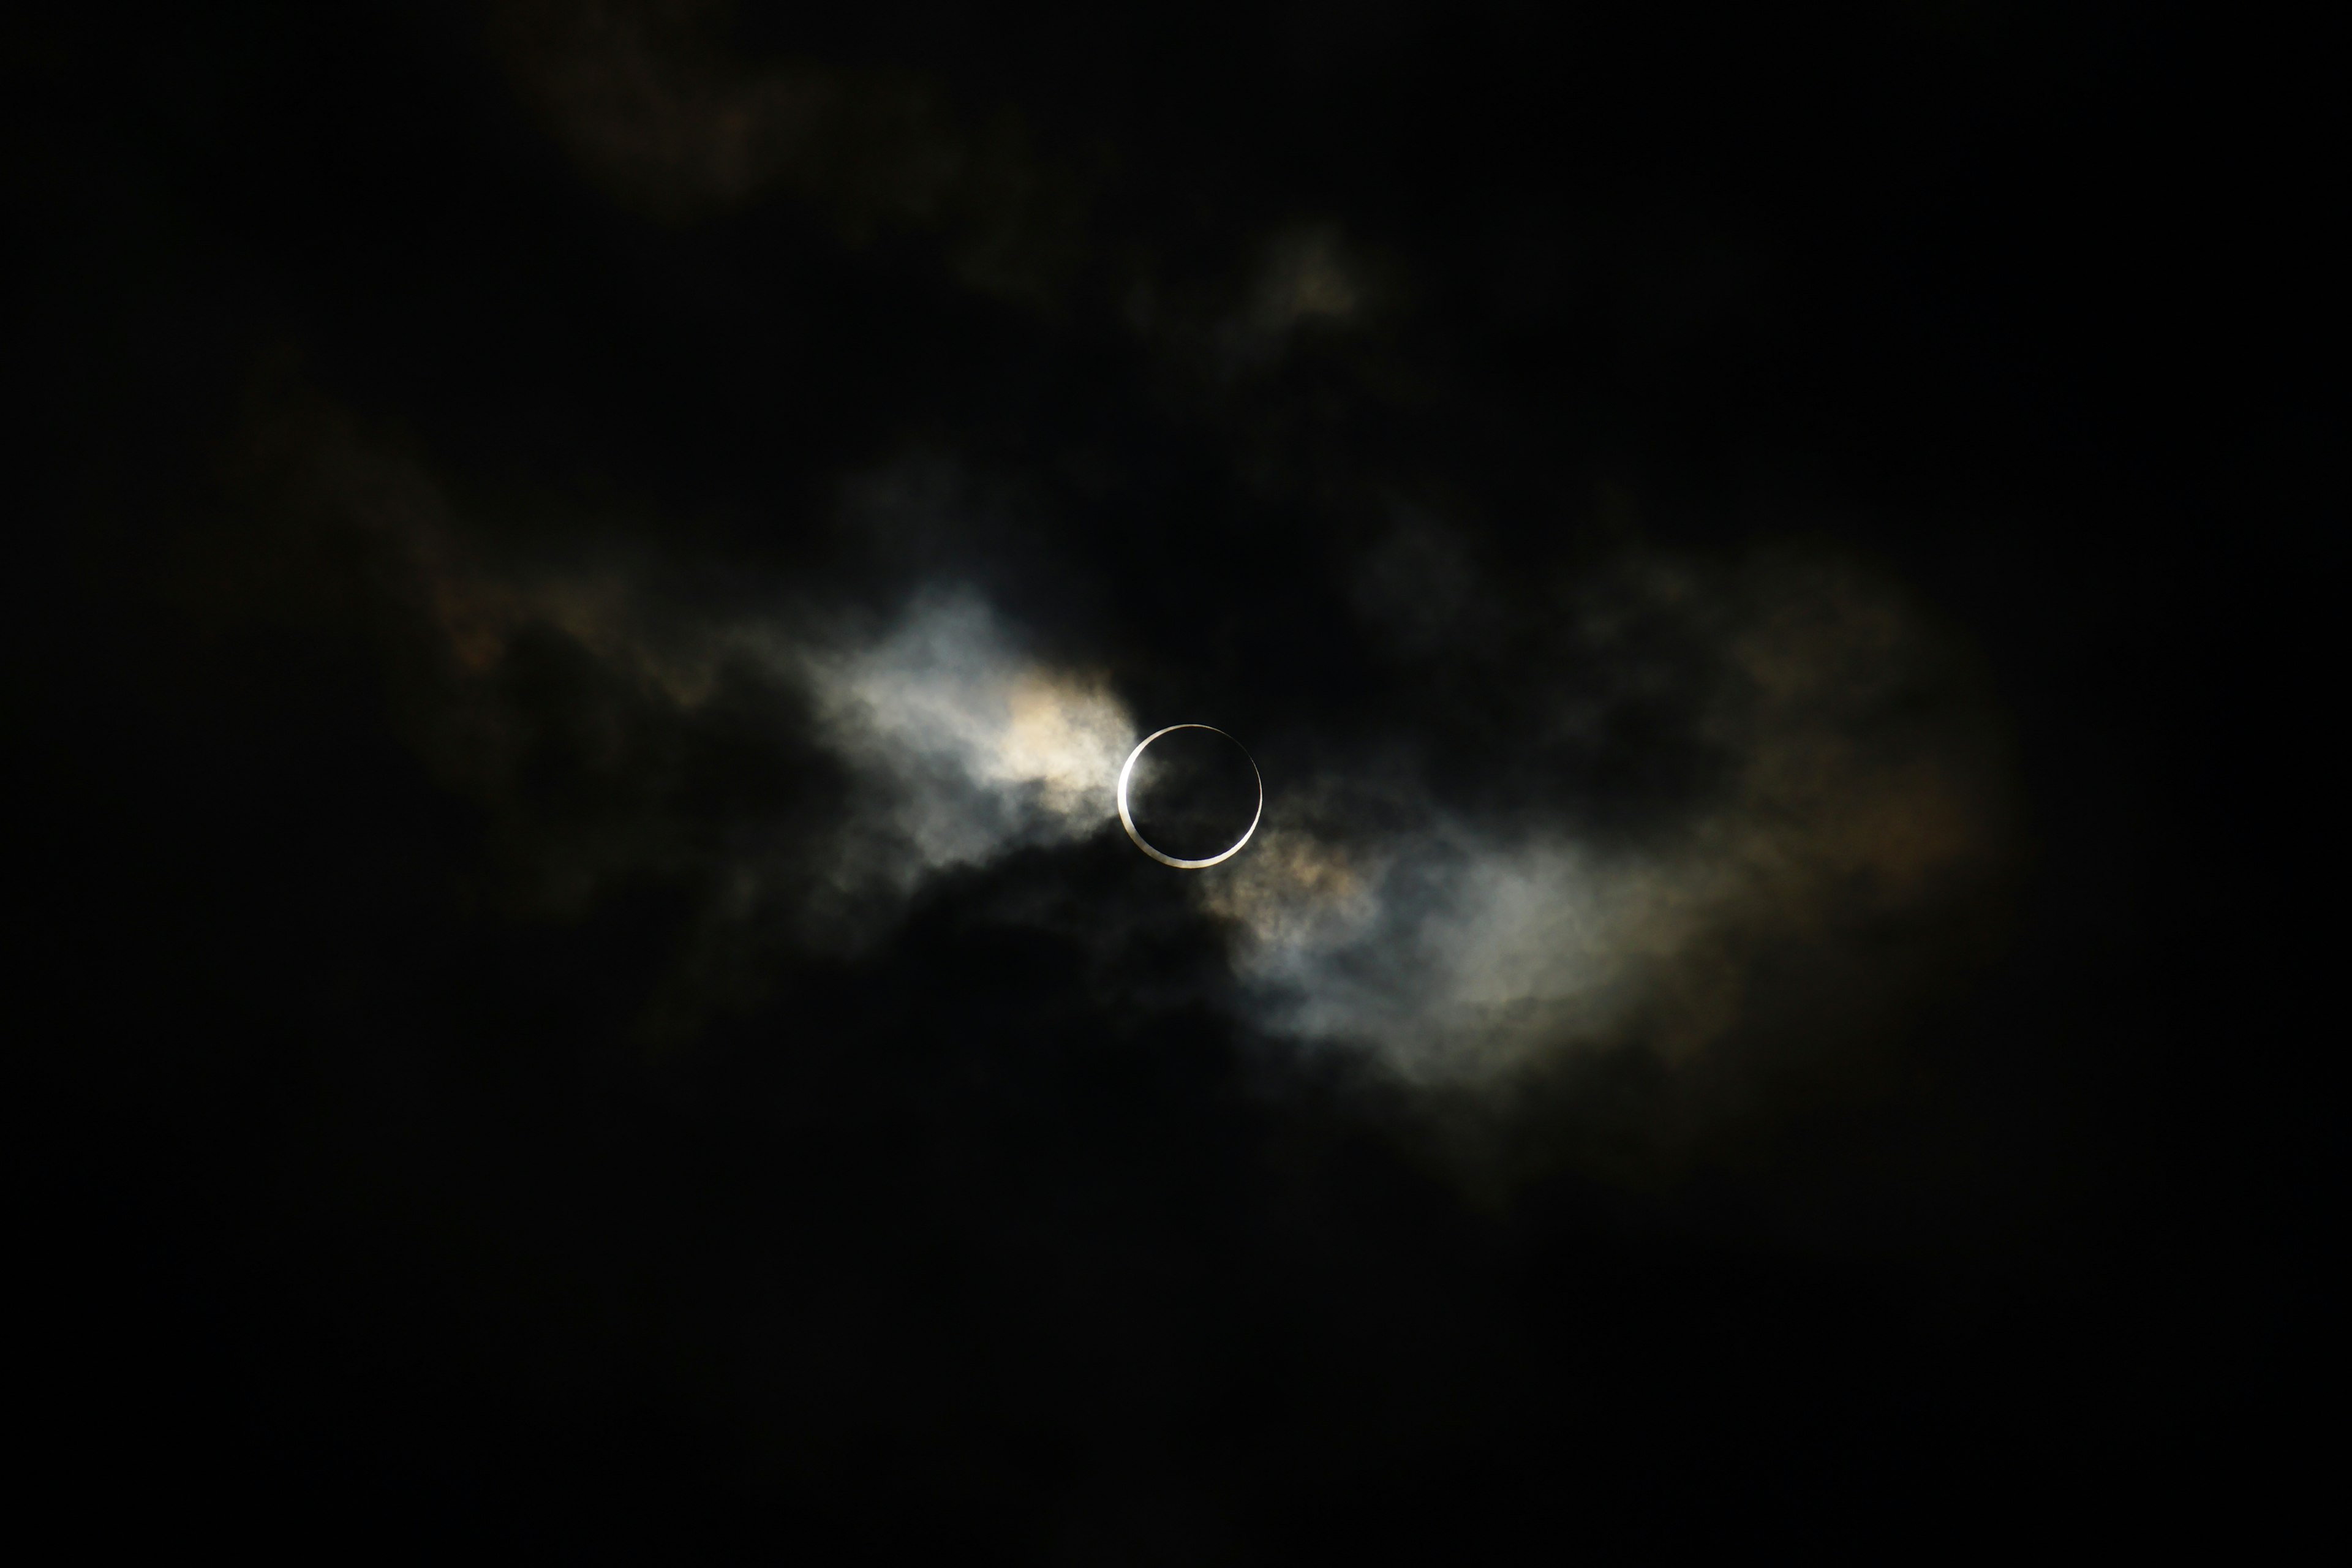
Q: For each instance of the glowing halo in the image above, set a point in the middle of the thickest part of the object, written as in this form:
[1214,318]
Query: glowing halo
[1128,820]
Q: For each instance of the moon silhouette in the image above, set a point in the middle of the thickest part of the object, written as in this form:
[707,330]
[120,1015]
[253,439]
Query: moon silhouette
[1127,819]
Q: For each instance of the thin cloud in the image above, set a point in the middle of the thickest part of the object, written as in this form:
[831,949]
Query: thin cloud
[1458,944]
[1451,940]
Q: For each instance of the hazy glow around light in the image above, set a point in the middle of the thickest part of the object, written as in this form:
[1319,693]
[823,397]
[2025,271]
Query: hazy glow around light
[975,748]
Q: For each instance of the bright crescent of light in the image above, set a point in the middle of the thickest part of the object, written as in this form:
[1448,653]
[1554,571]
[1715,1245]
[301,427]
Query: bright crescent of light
[1128,821]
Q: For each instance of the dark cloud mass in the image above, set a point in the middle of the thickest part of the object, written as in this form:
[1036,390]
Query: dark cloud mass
[589,572]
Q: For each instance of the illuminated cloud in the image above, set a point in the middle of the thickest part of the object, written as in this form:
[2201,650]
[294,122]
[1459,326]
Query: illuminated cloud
[1453,945]
[970,749]
[1856,776]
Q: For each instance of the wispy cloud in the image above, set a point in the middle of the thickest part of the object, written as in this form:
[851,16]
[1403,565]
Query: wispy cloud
[1455,944]
[1451,938]
[968,747]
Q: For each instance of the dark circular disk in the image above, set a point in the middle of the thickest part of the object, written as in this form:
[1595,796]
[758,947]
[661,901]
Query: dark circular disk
[1193,793]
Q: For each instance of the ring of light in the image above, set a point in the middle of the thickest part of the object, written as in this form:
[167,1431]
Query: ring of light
[1127,819]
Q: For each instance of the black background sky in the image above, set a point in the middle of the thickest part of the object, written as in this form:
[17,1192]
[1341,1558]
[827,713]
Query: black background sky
[447,1115]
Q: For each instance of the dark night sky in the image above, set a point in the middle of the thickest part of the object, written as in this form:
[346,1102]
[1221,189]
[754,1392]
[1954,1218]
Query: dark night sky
[583,572]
